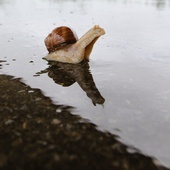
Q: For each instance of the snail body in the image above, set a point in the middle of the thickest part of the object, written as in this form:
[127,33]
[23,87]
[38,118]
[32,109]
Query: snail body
[64,46]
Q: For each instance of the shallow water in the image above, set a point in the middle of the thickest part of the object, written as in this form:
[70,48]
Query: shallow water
[130,65]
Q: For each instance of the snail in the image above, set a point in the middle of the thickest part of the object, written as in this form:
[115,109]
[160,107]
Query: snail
[64,46]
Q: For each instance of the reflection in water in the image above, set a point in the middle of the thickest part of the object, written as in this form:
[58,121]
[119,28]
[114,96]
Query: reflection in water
[2,2]
[160,4]
[67,74]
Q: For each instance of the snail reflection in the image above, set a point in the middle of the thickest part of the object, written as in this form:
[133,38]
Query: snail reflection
[66,74]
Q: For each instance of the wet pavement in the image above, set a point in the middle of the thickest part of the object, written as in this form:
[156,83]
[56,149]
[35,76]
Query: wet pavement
[128,73]
[36,134]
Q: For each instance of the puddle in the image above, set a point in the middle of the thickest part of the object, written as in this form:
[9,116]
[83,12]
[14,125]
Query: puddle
[67,74]
[129,66]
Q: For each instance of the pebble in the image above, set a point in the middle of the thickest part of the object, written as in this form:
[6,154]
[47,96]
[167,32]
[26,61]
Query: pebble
[31,91]
[55,121]
[58,110]
[9,121]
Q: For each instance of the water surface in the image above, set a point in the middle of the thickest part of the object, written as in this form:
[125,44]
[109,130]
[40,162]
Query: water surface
[130,65]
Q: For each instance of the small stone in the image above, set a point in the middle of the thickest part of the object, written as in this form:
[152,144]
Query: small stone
[39,121]
[17,133]
[68,126]
[56,157]
[24,125]
[31,91]
[9,121]
[24,107]
[29,116]
[37,99]
[55,121]
[42,142]
[58,110]
[73,157]
[21,91]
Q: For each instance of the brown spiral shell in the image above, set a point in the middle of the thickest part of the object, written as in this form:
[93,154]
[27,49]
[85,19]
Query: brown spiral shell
[60,37]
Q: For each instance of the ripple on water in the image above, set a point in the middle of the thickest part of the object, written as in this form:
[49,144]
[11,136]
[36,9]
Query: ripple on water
[164,59]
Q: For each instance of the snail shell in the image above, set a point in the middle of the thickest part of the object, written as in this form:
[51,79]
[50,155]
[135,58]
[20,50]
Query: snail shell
[59,37]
